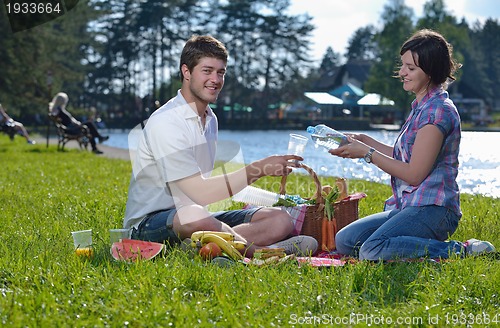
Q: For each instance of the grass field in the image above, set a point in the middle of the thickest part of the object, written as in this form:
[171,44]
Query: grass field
[46,194]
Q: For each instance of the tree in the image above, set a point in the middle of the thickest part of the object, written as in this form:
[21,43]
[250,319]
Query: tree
[284,47]
[58,48]
[111,53]
[487,41]
[158,29]
[398,26]
[481,66]
[331,60]
[267,48]
[140,47]
[362,44]
[473,78]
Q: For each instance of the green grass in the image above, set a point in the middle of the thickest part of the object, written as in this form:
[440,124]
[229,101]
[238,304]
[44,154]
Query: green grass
[46,194]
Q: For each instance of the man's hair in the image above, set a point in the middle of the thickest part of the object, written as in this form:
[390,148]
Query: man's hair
[200,46]
[433,54]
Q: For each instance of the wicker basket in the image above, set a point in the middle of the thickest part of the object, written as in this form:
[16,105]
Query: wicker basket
[346,211]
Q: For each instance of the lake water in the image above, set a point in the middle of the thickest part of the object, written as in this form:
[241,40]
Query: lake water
[479,171]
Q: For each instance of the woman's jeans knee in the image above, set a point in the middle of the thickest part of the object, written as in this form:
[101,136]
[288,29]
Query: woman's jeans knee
[408,233]
[349,239]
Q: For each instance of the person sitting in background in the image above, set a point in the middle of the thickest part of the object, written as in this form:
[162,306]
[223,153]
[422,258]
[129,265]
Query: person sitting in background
[96,119]
[57,108]
[7,123]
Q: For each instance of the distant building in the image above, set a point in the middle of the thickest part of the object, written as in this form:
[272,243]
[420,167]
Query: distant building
[346,84]
[354,72]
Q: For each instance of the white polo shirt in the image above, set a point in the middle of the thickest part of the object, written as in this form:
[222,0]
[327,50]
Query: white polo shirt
[173,145]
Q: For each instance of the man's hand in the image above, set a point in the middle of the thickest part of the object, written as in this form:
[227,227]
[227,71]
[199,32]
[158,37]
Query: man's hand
[276,165]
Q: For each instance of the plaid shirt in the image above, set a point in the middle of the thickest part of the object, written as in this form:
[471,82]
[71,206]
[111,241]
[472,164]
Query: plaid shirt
[440,186]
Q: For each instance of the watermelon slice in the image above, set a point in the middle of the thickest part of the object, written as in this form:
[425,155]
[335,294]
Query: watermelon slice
[129,250]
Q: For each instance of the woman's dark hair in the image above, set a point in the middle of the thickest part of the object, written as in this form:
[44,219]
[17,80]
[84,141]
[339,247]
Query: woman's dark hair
[433,54]
[199,46]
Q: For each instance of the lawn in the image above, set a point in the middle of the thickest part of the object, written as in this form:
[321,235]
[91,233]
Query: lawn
[46,194]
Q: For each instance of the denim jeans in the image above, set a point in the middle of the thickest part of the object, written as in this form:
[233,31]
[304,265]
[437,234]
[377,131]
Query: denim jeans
[412,232]
[158,226]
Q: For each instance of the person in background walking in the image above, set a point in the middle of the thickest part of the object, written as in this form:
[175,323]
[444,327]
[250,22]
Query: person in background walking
[7,123]
[57,108]
[424,210]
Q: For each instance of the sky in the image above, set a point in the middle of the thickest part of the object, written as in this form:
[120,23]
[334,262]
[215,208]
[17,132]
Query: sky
[337,20]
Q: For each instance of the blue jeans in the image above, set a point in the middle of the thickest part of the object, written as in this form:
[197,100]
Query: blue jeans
[158,226]
[412,232]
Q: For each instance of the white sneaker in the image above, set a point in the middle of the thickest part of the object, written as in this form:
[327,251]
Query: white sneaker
[475,247]
[298,245]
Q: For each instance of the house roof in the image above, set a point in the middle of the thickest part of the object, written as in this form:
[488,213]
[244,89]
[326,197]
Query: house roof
[323,98]
[351,89]
[374,99]
[326,80]
[357,70]
[354,71]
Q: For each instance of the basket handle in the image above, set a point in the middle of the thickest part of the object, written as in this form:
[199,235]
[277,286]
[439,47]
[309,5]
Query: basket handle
[319,196]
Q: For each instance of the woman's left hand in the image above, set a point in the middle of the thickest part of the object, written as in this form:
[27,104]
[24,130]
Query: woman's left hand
[354,149]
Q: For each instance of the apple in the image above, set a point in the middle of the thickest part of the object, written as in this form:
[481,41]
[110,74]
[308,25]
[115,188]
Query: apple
[209,251]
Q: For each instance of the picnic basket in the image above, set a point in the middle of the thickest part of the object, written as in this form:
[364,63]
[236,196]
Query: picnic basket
[345,212]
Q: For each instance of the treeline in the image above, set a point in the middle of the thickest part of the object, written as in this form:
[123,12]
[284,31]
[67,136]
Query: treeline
[121,56]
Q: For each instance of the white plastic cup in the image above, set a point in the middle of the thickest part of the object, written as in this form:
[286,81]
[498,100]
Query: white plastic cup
[116,235]
[297,145]
[82,238]
[83,243]
[256,196]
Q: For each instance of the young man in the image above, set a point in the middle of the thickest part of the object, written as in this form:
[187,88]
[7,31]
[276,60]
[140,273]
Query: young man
[171,183]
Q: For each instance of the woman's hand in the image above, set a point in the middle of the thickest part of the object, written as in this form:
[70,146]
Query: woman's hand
[358,136]
[354,149]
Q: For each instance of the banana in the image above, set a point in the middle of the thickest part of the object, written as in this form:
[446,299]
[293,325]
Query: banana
[239,245]
[198,235]
[226,247]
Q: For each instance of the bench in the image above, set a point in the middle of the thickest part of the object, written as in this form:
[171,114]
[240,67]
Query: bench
[65,134]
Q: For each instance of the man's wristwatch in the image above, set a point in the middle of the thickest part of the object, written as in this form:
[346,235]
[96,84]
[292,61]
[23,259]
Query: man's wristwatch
[368,156]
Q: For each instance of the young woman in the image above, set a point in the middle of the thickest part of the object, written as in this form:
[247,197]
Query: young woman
[424,209]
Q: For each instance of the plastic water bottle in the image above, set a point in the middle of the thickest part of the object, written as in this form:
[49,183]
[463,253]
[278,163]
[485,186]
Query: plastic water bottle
[256,196]
[261,197]
[326,137]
